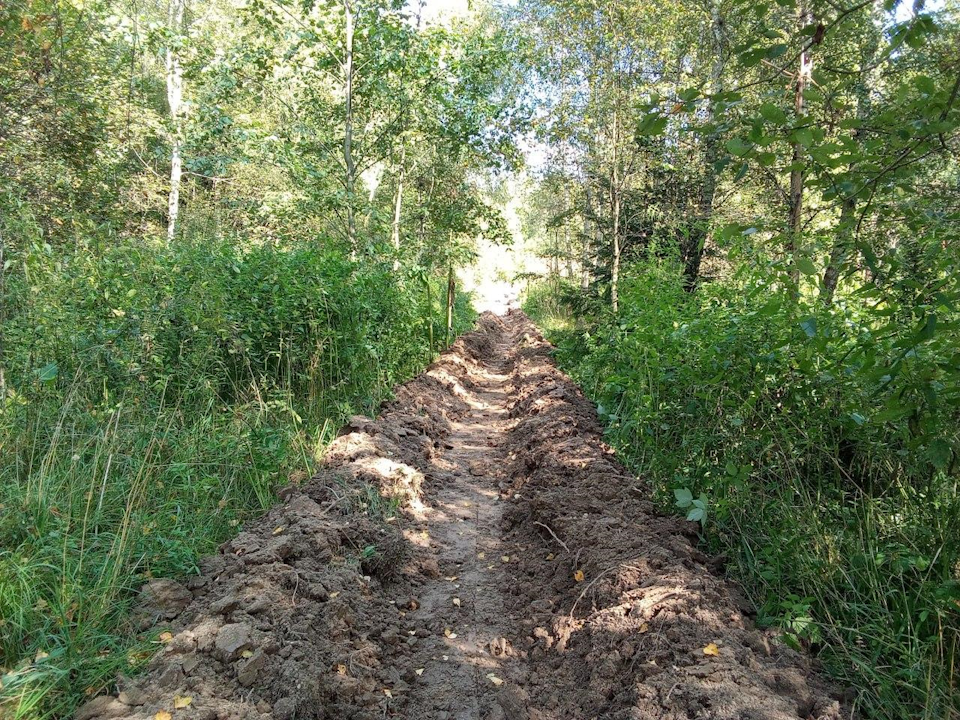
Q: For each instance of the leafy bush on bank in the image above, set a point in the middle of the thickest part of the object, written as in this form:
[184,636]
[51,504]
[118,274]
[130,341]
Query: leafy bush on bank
[821,443]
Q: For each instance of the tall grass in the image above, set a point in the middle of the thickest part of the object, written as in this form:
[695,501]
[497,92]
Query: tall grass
[840,516]
[156,399]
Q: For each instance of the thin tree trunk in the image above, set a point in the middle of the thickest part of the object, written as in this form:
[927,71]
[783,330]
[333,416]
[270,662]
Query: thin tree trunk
[397,209]
[804,71]
[845,230]
[451,297]
[174,78]
[696,241]
[430,314]
[615,217]
[585,250]
[837,253]
[351,171]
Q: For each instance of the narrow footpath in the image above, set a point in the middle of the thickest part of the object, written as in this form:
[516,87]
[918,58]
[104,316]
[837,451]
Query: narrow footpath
[474,553]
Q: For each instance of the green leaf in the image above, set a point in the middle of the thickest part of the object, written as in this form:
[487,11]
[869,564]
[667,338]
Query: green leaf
[738,147]
[804,136]
[653,124]
[684,497]
[940,453]
[772,113]
[806,266]
[809,326]
[48,373]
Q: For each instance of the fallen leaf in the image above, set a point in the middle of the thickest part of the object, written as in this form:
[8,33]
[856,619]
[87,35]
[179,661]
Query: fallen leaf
[341,669]
[494,679]
[246,654]
[506,558]
[165,637]
[41,655]
[278,529]
[180,701]
[445,657]
[450,578]
[643,628]
[162,715]
[456,602]
[334,594]
[449,633]
[481,555]
[578,576]
[551,556]
[711,649]
[386,691]
[419,671]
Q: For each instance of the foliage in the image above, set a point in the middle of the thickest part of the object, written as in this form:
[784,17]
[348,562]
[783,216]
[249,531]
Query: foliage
[837,505]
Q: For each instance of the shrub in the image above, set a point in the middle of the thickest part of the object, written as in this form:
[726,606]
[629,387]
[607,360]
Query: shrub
[826,479]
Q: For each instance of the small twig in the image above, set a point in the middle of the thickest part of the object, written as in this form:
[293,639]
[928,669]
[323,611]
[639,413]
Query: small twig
[553,535]
[587,588]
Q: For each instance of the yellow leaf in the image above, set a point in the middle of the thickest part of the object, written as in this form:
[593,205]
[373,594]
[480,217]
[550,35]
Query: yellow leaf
[578,576]
[643,628]
[711,649]
[334,594]
[278,529]
[165,637]
[456,602]
[162,715]
[506,558]
[481,555]
[386,691]
[551,556]
[449,633]
[247,654]
[494,679]
[181,701]
[341,669]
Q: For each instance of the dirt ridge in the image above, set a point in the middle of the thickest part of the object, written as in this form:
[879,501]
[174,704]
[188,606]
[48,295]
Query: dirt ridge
[476,552]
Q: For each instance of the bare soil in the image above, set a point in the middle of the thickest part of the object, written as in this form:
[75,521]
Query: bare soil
[476,552]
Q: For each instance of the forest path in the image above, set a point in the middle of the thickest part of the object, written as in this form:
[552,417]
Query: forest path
[474,553]
[460,663]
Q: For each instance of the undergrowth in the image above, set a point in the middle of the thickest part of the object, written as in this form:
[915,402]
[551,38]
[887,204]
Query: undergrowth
[155,398]
[824,461]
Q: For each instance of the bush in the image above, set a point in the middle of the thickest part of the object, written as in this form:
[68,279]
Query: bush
[156,398]
[825,472]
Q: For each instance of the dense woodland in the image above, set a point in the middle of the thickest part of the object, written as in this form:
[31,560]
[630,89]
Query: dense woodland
[227,225]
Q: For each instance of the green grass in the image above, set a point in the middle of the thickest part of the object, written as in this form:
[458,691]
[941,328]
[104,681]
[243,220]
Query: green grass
[838,518]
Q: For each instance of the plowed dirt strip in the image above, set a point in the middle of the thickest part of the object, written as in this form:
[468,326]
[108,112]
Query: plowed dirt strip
[475,552]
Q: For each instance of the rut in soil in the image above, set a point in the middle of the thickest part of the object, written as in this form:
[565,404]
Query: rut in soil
[476,552]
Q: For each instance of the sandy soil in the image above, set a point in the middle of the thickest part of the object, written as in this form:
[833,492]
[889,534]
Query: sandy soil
[474,553]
